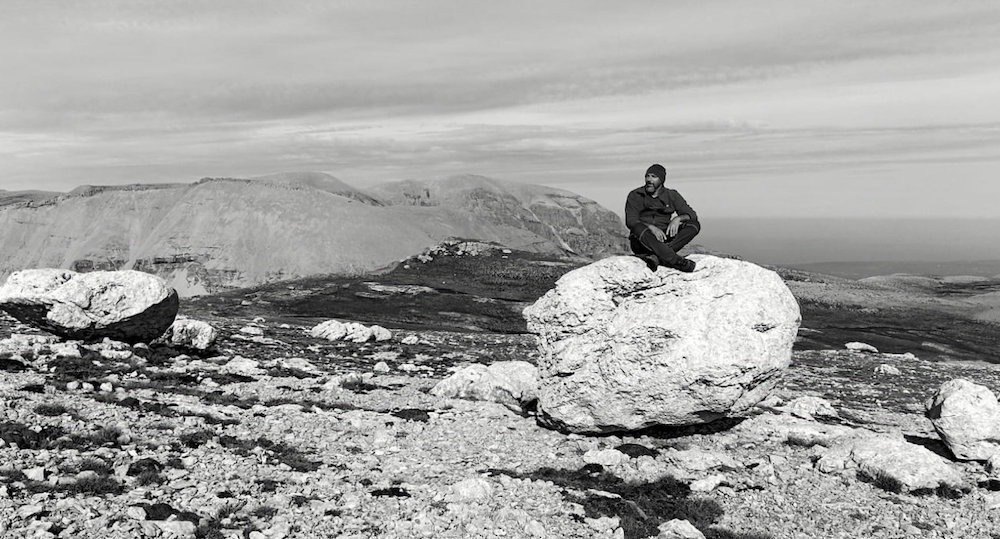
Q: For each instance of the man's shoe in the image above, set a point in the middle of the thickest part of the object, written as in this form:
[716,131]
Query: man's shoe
[685,265]
[651,262]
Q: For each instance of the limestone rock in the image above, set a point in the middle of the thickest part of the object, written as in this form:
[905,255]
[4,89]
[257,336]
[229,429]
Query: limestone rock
[191,333]
[334,330]
[331,330]
[892,463]
[380,334]
[993,465]
[129,306]
[887,370]
[357,332]
[809,407]
[511,383]
[679,529]
[473,489]
[967,418]
[605,457]
[624,348]
[861,347]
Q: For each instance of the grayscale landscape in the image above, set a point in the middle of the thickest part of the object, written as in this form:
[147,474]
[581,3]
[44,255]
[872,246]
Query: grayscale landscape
[274,432]
[361,270]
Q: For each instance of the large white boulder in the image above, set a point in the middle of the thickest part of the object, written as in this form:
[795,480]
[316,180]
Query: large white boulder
[129,306]
[967,418]
[624,348]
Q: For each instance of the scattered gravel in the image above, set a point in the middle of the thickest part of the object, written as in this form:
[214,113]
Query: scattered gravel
[307,438]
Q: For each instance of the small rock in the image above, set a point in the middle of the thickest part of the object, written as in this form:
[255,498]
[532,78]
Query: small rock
[861,347]
[191,333]
[535,528]
[299,363]
[993,464]
[34,474]
[887,370]
[603,524]
[410,340]
[605,457]
[679,529]
[808,407]
[511,383]
[28,510]
[178,528]
[381,367]
[252,330]
[380,333]
[708,484]
[474,489]
[242,365]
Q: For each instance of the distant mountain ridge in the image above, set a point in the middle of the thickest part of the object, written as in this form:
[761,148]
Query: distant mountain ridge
[224,233]
[561,217]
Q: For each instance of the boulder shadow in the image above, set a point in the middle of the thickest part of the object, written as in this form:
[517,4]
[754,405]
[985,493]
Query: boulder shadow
[640,507]
[935,445]
[714,427]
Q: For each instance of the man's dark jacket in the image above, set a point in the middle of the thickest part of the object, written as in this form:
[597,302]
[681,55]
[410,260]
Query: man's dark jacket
[657,211]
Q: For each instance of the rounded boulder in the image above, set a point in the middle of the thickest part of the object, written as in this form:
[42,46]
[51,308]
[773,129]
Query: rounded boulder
[127,305]
[623,348]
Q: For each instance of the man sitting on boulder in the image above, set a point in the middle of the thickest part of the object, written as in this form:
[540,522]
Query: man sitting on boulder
[660,222]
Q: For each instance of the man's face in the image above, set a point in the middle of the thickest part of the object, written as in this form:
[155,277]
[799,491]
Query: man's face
[653,182]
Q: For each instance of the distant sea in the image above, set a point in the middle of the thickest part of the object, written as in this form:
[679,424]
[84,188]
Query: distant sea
[860,270]
[858,248]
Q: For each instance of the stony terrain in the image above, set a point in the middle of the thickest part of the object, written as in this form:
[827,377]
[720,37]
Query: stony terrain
[275,433]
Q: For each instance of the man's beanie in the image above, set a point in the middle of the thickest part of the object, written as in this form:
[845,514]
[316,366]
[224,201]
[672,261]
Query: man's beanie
[658,169]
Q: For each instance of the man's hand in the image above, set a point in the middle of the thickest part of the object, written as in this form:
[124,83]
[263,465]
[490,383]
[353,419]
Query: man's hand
[660,235]
[674,226]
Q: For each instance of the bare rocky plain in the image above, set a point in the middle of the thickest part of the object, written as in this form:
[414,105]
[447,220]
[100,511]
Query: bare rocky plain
[273,433]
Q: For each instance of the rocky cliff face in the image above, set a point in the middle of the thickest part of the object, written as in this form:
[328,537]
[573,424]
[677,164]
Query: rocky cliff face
[227,233]
[572,222]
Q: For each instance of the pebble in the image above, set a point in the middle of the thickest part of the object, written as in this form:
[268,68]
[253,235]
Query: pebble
[707,484]
[887,370]
[35,474]
[29,510]
[179,528]
[535,528]
[470,490]
[605,457]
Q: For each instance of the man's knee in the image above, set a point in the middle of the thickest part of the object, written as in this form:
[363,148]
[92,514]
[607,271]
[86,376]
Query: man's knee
[693,226]
[637,230]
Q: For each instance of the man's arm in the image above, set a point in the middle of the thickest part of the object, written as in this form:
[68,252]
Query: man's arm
[682,207]
[633,205]
[684,213]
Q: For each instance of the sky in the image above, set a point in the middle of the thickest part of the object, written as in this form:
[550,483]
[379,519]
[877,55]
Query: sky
[773,108]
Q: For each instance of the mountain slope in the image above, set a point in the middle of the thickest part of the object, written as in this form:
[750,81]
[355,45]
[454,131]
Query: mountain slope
[575,223]
[218,234]
[18,197]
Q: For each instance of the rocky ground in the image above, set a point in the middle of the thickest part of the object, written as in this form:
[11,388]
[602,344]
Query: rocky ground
[273,433]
